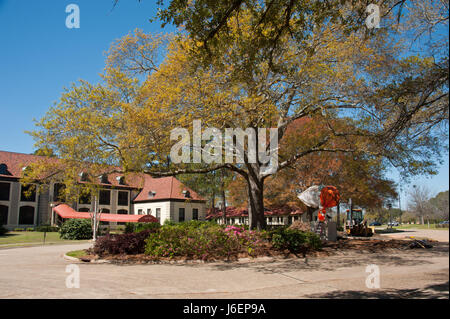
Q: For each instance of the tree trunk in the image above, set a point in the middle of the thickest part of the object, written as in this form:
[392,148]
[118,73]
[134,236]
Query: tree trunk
[309,212]
[255,187]
[338,217]
[222,193]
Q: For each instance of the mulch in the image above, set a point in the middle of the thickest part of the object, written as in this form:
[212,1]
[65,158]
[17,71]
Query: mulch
[329,248]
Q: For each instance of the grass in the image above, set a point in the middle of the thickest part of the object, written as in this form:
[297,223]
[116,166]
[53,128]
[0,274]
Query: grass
[76,253]
[17,238]
[418,226]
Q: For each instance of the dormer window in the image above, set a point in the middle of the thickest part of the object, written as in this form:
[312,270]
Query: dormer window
[104,179]
[83,177]
[186,194]
[3,169]
[120,180]
[151,194]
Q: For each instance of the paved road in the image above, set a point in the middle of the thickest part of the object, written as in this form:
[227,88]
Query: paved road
[40,272]
[439,235]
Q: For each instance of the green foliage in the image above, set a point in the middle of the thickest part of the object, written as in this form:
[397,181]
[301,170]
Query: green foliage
[19,229]
[441,203]
[295,240]
[30,229]
[47,228]
[76,229]
[138,227]
[201,240]
[3,230]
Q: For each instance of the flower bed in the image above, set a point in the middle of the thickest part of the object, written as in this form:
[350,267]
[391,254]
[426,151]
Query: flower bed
[203,241]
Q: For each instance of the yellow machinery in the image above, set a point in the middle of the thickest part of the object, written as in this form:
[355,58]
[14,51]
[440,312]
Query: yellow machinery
[355,224]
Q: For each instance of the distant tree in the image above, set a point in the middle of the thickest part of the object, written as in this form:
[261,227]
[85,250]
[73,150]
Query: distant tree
[212,185]
[384,215]
[419,204]
[440,202]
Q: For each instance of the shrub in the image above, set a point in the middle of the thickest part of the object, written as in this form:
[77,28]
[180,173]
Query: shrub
[19,229]
[295,240]
[138,227]
[47,228]
[131,243]
[299,225]
[200,240]
[30,229]
[76,229]
[3,230]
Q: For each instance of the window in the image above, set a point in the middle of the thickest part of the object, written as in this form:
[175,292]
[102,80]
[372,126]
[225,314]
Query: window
[149,211]
[4,169]
[181,215]
[3,215]
[104,179]
[120,180]
[105,197]
[140,211]
[58,192]
[83,210]
[270,219]
[26,215]
[122,212]
[187,194]
[83,177]
[4,191]
[85,198]
[122,199]
[28,193]
[104,211]
[158,214]
[195,213]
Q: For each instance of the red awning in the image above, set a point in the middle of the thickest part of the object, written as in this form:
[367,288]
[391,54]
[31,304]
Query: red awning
[65,211]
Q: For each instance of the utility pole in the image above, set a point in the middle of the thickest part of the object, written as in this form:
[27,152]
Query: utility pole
[94,220]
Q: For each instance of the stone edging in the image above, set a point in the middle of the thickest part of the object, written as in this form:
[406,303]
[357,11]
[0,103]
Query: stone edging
[99,261]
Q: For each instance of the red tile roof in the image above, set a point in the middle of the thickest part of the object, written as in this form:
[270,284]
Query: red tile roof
[16,162]
[164,187]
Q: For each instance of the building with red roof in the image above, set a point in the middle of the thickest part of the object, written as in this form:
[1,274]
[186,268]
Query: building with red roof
[239,216]
[164,198]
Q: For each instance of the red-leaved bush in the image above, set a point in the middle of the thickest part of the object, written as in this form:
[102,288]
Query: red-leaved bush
[130,244]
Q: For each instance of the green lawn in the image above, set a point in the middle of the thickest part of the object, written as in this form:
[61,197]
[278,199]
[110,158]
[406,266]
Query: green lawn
[418,226]
[15,238]
[76,253]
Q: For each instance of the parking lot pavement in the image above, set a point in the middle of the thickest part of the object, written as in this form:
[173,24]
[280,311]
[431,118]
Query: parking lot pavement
[40,272]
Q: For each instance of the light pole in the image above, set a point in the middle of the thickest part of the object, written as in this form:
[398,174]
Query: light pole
[389,206]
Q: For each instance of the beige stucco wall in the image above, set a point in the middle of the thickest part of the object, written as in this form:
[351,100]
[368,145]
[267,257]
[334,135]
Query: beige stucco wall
[170,209]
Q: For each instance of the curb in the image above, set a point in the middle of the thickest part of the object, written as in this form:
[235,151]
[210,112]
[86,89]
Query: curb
[70,258]
[93,261]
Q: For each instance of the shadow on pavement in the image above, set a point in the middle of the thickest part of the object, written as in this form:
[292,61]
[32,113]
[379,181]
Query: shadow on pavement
[429,292]
[399,257]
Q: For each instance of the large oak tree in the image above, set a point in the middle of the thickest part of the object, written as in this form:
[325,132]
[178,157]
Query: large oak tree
[263,64]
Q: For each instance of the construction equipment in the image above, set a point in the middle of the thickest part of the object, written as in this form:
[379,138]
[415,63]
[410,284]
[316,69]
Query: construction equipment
[321,198]
[355,224]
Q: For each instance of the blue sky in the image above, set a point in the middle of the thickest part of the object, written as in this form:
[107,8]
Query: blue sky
[39,56]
